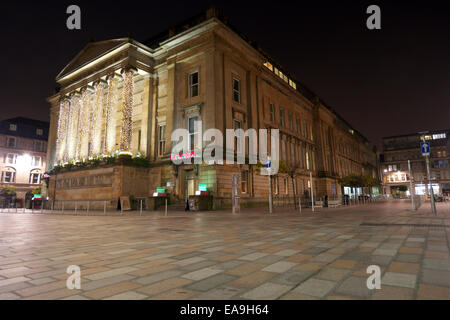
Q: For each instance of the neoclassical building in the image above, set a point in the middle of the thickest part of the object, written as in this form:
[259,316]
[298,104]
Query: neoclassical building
[123,98]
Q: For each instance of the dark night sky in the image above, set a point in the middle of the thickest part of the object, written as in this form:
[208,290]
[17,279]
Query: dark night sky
[384,82]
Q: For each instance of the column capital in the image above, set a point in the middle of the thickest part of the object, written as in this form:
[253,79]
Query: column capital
[128,69]
[113,75]
[99,81]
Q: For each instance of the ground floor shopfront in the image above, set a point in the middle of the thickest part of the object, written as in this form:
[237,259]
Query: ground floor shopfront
[179,182]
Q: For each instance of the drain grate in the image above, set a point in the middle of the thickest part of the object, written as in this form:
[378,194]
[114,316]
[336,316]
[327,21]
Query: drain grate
[402,225]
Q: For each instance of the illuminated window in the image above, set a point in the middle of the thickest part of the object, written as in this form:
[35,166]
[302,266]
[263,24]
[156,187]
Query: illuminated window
[268,65]
[11,158]
[162,139]
[12,127]
[193,133]
[35,177]
[193,84]
[277,72]
[8,175]
[307,160]
[39,132]
[439,136]
[286,185]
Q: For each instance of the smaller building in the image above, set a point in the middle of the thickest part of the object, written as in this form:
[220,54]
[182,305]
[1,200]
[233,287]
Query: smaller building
[23,155]
[394,164]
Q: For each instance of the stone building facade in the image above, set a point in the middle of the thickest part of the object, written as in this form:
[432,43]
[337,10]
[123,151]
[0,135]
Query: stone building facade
[123,97]
[23,154]
[397,150]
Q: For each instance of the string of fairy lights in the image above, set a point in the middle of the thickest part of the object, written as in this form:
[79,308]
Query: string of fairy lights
[62,128]
[84,119]
[127,112]
[110,118]
[97,119]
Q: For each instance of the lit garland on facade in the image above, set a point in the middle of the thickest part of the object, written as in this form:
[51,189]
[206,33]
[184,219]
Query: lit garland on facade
[84,125]
[96,120]
[110,117]
[72,134]
[63,118]
[127,113]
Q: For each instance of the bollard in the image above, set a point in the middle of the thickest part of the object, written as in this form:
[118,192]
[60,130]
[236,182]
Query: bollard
[104,207]
[42,207]
[140,213]
[53,205]
[76,205]
[87,211]
[121,207]
[166,208]
[63,207]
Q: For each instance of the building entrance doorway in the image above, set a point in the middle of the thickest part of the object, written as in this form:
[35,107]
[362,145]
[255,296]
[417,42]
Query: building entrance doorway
[189,184]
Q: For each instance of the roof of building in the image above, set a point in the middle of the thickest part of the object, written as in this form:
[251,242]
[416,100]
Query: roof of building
[154,42]
[418,133]
[93,50]
[26,128]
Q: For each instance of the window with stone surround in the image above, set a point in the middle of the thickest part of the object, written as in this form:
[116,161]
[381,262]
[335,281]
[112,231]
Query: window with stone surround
[236,90]
[193,84]
[272,112]
[161,139]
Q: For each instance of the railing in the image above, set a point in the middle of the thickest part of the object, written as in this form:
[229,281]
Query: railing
[77,207]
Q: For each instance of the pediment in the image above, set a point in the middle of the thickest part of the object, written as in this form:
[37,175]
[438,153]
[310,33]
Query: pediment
[90,52]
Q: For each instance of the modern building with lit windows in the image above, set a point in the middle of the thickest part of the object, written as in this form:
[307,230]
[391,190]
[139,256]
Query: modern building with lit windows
[122,99]
[397,150]
[23,154]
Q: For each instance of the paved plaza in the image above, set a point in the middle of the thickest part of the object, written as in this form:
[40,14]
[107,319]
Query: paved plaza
[219,255]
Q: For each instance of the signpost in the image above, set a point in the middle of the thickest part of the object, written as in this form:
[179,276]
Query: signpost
[235,199]
[312,191]
[425,148]
[411,191]
[268,166]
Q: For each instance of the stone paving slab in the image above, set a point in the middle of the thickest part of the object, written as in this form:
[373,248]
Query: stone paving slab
[251,255]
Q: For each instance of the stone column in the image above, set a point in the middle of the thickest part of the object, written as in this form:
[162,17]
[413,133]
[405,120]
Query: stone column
[96,118]
[72,137]
[63,117]
[84,123]
[127,112]
[111,115]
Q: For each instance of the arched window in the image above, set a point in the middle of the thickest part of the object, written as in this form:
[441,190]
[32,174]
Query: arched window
[8,175]
[35,176]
